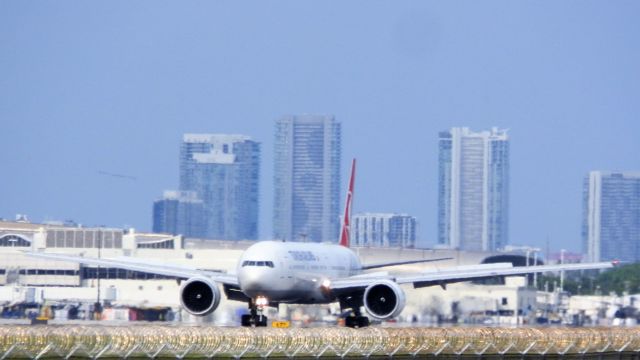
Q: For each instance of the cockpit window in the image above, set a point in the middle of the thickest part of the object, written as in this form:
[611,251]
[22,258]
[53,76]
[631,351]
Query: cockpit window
[257,263]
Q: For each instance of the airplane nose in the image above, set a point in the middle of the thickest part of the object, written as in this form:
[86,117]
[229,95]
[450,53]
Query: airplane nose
[253,281]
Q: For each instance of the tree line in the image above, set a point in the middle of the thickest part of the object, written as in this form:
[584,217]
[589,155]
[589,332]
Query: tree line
[619,280]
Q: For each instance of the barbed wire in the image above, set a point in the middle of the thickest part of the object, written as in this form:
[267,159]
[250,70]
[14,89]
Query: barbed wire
[153,341]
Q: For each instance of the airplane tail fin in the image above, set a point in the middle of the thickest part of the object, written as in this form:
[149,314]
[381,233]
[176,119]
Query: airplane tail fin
[345,232]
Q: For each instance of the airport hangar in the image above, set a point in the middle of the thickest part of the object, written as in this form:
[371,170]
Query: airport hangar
[25,279]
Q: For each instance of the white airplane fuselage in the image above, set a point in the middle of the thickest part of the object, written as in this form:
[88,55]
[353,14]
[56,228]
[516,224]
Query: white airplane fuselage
[292,272]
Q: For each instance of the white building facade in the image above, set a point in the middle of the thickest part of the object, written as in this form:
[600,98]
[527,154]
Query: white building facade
[383,230]
[473,189]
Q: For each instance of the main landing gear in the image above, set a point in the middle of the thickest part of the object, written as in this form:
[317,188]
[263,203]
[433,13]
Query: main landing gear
[353,302]
[255,318]
[356,320]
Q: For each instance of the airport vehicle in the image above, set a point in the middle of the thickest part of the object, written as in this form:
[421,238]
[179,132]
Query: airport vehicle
[273,272]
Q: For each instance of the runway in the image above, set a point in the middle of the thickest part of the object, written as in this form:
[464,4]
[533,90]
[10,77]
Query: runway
[161,341]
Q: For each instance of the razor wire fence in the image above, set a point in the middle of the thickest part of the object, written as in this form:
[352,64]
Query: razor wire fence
[152,341]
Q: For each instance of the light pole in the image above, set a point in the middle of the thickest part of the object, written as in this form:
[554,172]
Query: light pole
[528,252]
[535,263]
[562,272]
[98,305]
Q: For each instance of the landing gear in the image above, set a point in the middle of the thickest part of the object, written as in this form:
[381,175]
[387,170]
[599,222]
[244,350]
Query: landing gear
[356,321]
[254,321]
[255,318]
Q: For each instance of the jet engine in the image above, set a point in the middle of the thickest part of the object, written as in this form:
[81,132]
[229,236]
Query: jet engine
[199,296]
[384,300]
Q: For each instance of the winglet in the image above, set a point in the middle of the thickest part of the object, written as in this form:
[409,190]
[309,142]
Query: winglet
[345,232]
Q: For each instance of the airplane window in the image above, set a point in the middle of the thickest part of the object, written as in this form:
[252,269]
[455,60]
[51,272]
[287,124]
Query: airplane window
[244,263]
[260,263]
[252,263]
[269,263]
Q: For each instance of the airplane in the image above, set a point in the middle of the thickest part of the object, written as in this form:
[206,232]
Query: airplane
[269,273]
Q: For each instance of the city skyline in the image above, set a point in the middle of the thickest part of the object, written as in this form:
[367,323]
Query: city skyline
[171,194]
[94,99]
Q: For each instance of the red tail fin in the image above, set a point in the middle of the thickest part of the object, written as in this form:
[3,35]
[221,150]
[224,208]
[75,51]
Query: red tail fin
[345,232]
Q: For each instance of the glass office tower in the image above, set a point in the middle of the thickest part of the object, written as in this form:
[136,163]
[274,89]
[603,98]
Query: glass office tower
[223,170]
[611,216]
[179,212]
[473,189]
[307,178]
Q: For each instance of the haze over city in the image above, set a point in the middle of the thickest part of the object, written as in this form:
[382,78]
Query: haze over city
[95,98]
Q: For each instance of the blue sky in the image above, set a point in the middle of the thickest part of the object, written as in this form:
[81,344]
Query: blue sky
[111,86]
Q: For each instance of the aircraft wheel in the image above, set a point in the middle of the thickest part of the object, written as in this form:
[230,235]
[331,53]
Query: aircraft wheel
[350,321]
[362,321]
[246,320]
[257,321]
[356,321]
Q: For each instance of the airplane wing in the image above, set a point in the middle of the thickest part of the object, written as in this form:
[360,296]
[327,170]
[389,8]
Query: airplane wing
[457,274]
[430,279]
[379,265]
[148,266]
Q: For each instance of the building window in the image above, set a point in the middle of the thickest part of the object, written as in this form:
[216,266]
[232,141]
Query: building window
[13,241]
[164,244]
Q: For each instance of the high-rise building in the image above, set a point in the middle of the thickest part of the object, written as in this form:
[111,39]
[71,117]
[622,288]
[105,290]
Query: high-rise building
[473,189]
[179,212]
[223,170]
[611,216]
[307,178]
[383,230]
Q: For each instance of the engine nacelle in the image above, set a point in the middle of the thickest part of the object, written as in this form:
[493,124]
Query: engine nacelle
[384,300]
[199,296]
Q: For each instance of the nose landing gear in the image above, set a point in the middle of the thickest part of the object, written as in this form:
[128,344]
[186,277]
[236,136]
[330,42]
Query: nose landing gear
[255,318]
